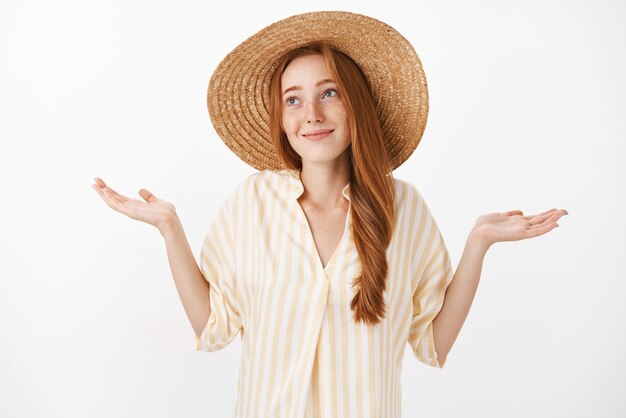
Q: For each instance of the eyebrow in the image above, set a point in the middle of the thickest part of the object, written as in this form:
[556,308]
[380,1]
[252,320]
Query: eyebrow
[319,83]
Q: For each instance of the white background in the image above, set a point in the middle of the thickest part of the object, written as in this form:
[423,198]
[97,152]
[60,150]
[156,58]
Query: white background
[527,111]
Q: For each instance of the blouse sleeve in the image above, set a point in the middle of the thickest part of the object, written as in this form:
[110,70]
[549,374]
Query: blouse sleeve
[217,263]
[432,271]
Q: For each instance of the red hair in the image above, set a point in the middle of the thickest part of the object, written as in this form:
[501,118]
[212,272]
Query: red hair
[372,191]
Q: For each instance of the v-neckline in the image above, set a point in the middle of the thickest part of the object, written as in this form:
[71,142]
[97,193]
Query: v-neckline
[318,259]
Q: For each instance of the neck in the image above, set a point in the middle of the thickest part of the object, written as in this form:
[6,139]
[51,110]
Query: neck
[324,183]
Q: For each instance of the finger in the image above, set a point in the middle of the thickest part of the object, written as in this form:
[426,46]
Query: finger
[148,197]
[99,181]
[539,214]
[98,190]
[514,212]
[550,217]
[103,185]
[119,197]
[535,232]
[543,220]
[537,219]
[105,195]
[112,198]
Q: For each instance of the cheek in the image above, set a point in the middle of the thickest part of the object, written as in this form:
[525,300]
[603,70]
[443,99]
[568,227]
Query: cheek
[290,128]
[345,124]
[287,123]
[341,113]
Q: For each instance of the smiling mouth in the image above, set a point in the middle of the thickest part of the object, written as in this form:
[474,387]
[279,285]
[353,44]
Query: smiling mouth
[318,135]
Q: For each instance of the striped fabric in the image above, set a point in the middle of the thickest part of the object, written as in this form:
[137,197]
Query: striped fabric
[302,354]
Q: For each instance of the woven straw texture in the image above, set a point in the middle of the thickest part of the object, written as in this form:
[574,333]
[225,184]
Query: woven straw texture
[238,92]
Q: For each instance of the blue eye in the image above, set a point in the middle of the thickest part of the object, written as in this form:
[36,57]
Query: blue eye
[289,100]
[330,90]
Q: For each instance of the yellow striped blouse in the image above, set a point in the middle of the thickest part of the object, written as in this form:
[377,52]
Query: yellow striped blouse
[302,354]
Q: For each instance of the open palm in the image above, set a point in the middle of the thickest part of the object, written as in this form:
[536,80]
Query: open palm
[152,210]
[514,226]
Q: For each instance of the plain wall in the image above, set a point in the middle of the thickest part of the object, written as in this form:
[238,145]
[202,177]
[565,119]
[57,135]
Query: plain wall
[527,111]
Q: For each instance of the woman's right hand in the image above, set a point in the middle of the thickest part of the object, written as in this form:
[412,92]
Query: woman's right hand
[153,211]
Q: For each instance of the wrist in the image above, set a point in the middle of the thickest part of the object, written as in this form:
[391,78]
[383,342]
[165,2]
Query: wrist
[170,226]
[478,238]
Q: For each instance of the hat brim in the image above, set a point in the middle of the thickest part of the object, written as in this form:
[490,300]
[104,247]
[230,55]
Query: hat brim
[238,92]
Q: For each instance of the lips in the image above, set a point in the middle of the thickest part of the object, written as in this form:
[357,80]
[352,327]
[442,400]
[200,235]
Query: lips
[317,135]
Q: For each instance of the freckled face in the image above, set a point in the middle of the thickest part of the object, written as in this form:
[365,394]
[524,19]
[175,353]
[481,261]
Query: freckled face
[313,114]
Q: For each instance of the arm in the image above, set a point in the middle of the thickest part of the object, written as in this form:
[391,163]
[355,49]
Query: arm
[459,296]
[489,229]
[193,289]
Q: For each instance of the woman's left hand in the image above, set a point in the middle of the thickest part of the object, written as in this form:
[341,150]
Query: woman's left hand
[514,226]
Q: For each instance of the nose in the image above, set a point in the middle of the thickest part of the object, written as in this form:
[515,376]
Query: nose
[313,112]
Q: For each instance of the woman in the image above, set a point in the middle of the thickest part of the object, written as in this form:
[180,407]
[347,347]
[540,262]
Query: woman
[326,264]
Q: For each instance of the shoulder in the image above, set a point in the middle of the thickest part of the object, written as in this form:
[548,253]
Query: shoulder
[260,183]
[411,203]
[406,193]
[265,178]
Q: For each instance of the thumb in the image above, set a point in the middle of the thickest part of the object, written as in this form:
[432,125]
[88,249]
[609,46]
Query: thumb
[514,212]
[147,196]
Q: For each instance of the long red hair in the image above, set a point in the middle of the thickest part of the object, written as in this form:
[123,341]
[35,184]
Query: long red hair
[372,191]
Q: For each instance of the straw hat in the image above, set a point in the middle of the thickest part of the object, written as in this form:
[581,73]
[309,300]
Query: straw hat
[238,93]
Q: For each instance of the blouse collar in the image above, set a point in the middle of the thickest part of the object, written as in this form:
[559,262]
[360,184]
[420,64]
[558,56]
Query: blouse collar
[298,188]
